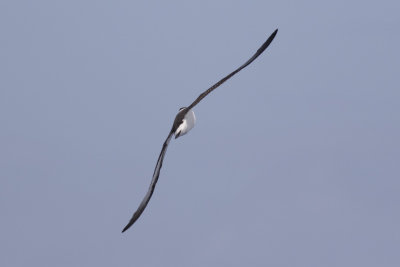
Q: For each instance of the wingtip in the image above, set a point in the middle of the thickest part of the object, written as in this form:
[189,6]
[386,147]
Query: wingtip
[123,230]
[126,227]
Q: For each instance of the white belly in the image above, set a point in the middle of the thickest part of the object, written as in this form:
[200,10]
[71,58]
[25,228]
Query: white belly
[188,123]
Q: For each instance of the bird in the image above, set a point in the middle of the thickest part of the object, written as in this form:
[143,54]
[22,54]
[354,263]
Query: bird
[184,121]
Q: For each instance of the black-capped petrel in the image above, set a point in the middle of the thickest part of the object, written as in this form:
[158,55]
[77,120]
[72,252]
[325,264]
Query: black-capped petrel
[183,123]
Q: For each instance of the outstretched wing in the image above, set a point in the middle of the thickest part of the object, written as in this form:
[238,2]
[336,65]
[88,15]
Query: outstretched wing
[157,169]
[259,52]
[153,183]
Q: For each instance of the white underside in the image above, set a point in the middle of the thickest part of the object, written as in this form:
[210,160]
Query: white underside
[188,123]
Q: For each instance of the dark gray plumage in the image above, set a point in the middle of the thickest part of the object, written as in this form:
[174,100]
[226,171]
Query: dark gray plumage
[177,122]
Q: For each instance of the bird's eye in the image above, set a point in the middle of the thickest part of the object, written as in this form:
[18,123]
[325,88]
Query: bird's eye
[182,108]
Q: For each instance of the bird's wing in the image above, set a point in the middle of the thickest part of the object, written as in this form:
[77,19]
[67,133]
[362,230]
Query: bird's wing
[153,183]
[259,51]
[157,169]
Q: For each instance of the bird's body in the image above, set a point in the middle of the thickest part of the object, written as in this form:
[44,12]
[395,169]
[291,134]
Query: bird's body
[187,123]
[183,123]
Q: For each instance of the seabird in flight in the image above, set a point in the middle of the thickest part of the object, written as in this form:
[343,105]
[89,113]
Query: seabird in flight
[183,123]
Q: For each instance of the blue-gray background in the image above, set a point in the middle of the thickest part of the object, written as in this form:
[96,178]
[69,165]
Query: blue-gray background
[293,162]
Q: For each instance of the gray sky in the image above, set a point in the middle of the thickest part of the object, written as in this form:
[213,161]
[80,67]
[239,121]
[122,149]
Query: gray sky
[293,162]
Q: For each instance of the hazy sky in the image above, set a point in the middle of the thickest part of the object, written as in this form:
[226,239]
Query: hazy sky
[293,162]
